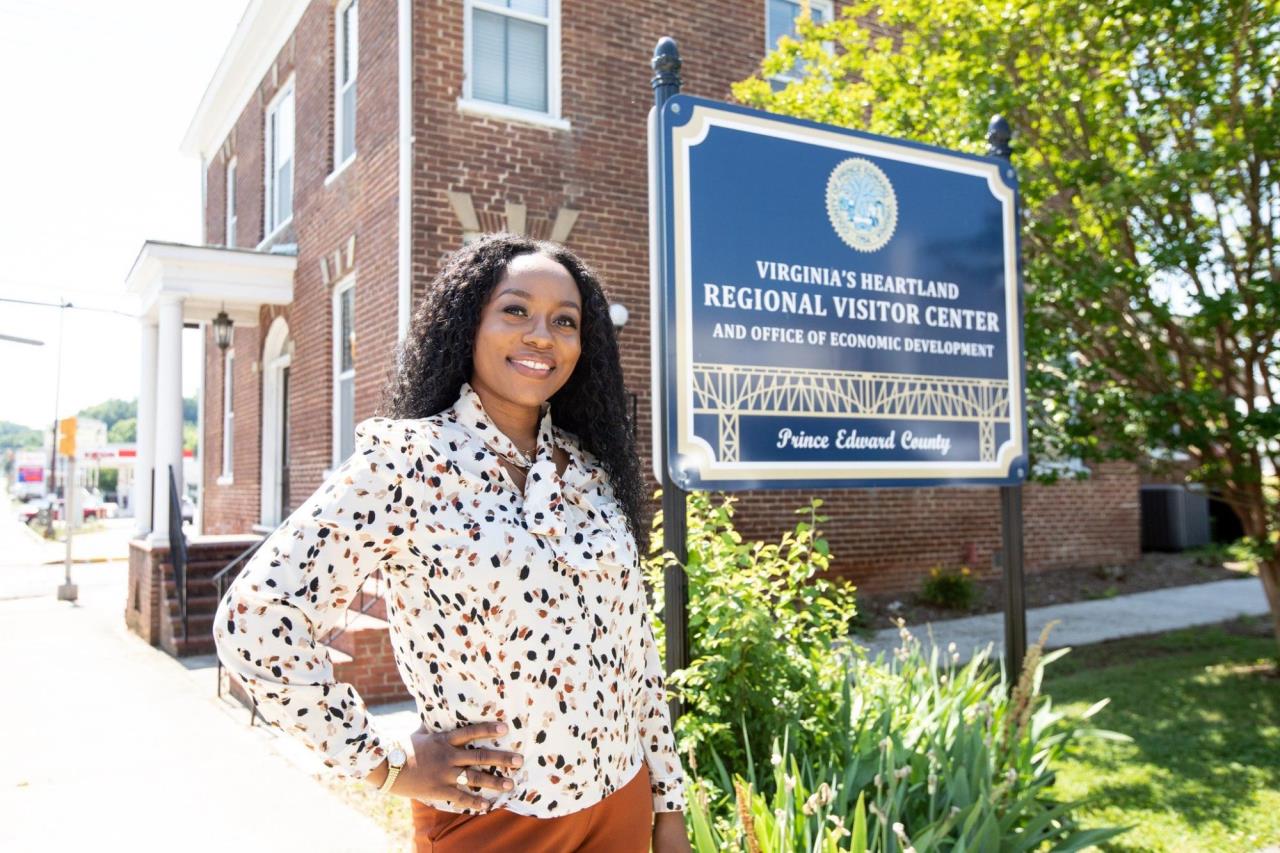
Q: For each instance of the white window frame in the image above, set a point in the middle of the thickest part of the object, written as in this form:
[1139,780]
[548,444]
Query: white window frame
[826,6]
[467,104]
[229,202]
[228,417]
[339,374]
[339,36]
[272,229]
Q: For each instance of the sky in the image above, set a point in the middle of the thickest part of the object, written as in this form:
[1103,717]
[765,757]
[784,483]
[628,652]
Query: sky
[97,98]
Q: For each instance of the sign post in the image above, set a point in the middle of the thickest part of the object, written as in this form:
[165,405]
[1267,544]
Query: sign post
[675,614]
[835,310]
[70,505]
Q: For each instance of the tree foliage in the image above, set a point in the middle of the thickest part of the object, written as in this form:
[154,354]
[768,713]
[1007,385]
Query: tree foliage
[1146,137]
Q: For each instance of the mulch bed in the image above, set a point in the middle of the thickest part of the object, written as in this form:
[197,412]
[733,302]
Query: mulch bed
[1153,571]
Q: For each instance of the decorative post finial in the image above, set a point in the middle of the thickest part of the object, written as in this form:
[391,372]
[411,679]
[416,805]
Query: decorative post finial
[998,136]
[666,70]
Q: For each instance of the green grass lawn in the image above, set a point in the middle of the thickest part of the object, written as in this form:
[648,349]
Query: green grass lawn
[1203,709]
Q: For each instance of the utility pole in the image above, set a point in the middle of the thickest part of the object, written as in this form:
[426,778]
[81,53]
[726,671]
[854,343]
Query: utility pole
[53,440]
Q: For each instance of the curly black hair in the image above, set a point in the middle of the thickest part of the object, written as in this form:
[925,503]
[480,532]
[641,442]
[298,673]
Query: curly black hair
[436,358]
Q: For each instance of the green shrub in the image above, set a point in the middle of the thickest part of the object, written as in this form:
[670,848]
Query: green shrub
[953,590]
[767,635]
[935,757]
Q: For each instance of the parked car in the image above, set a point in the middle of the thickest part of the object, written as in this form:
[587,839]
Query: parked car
[91,507]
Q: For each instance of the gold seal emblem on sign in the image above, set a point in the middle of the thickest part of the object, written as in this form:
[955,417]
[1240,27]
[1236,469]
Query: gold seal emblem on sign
[861,204]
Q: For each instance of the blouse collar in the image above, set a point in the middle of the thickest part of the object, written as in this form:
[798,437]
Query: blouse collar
[602,539]
[472,414]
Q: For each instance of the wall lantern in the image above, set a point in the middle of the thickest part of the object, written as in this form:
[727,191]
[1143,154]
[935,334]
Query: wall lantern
[618,313]
[222,330]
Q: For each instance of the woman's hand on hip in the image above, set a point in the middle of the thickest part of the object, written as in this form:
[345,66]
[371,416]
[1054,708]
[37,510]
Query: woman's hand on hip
[436,758]
[669,833]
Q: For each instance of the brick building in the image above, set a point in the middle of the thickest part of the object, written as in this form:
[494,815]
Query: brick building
[348,146]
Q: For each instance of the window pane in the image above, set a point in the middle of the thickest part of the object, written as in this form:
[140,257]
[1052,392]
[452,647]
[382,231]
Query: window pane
[229,238]
[526,65]
[532,7]
[284,193]
[350,42]
[346,323]
[346,417]
[348,129]
[782,17]
[488,57]
[284,144]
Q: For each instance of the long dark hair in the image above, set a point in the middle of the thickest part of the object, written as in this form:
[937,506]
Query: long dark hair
[436,358]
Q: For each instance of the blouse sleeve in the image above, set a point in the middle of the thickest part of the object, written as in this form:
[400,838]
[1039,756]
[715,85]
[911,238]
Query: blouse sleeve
[294,590]
[666,777]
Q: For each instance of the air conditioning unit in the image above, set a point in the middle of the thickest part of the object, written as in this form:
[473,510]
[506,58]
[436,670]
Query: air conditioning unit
[1174,518]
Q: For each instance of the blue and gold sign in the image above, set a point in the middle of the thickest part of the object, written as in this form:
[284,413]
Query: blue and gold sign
[841,309]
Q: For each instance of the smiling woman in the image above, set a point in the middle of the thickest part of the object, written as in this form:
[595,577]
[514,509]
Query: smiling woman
[503,501]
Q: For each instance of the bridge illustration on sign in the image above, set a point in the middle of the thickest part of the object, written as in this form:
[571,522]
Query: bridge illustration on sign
[729,391]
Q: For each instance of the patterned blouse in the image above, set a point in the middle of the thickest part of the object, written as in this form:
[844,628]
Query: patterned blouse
[528,609]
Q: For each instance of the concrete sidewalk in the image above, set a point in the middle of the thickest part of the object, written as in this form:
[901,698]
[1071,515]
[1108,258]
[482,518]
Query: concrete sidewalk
[109,742]
[1085,622]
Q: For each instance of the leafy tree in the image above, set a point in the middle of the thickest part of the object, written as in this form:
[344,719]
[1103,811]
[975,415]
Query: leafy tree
[111,412]
[1146,142]
[18,437]
[123,431]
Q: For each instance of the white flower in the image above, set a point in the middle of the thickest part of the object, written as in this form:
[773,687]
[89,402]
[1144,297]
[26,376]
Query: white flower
[789,783]
[1011,775]
[886,743]
[825,794]
[902,772]
[776,759]
[810,806]
[933,784]
[951,647]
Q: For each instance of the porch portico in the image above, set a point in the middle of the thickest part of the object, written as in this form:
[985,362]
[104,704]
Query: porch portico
[179,285]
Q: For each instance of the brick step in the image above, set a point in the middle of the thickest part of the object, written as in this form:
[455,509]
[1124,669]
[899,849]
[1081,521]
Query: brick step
[195,587]
[374,675]
[363,631]
[202,605]
[195,644]
[198,623]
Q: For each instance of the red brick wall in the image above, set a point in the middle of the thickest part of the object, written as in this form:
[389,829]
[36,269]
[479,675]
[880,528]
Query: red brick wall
[232,507]
[328,212]
[885,540]
[882,539]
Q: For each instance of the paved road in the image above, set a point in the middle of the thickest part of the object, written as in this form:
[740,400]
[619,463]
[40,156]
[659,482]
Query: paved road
[106,742]
[1086,622]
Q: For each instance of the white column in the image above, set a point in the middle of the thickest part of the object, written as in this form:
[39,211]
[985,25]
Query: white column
[145,463]
[168,412]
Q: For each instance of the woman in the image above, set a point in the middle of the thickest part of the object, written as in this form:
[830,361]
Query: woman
[504,503]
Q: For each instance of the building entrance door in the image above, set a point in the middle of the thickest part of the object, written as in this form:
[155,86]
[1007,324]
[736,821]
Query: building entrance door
[284,508]
[277,355]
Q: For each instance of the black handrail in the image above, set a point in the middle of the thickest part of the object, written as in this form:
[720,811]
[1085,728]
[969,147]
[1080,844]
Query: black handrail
[178,549]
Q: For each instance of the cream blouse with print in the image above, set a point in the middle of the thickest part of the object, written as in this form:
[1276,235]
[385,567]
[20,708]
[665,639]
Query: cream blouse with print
[528,609]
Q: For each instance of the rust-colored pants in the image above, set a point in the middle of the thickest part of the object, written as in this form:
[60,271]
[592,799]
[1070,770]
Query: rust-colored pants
[620,823]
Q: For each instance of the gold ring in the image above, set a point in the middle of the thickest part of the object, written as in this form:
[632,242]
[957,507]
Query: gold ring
[461,781]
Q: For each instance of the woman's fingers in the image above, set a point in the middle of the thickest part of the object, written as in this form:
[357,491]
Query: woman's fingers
[480,779]
[469,801]
[488,757]
[475,731]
